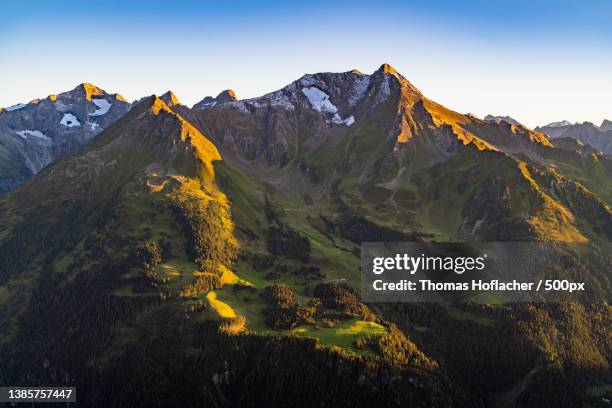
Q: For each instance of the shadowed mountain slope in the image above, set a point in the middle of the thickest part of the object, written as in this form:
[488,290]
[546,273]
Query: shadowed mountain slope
[215,250]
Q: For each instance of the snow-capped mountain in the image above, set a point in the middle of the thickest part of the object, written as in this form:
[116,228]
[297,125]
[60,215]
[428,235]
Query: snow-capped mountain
[328,104]
[325,93]
[554,129]
[563,123]
[587,133]
[507,119]
[136,234]
[34,134]
[170,99]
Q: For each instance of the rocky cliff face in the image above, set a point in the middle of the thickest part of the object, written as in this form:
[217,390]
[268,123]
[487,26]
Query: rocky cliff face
[34,134]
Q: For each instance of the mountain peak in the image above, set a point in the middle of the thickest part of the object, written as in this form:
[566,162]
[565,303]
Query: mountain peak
[89,90]
[226,96]
[508,119]
[120,97]
[151,104]
[154,104]
[387,71]
[605,125]
[562,123]
[170,99]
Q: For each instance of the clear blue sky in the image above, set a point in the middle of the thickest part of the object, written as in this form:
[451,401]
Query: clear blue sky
[537,62]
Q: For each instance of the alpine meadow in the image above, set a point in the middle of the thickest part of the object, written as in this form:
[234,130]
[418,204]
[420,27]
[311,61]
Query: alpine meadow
[153,254]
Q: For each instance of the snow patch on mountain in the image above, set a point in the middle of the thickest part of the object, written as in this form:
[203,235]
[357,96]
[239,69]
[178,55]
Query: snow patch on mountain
[25,134]
[559,124]
[359,89]
[102,107]
[319,100]
[507,119]
[338,120]
[321,103]
[283,102]
[277,98]
[385,90]
[93,126]
[307,81]
[69,120]
[16,107]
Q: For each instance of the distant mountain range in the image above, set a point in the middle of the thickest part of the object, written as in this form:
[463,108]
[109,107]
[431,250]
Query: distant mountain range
[598,137]
[32,135]
[215,249]
[508,119]
[585,137]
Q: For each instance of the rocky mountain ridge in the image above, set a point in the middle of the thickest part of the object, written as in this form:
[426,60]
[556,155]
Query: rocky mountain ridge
[33,135]
[508,119]
[204,247]
[587,133]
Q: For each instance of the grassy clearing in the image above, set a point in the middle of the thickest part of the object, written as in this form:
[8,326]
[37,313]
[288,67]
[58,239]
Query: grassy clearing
[228,277]
[179,272]
[335,263]
[245,195]
[256,279]
[222,309]
[344,334]
[249,305]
